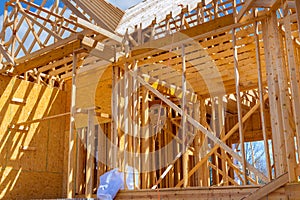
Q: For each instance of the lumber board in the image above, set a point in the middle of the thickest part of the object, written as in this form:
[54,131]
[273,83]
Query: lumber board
[268,188]
[216,193]
[45,58]
[34,170]
[183,35]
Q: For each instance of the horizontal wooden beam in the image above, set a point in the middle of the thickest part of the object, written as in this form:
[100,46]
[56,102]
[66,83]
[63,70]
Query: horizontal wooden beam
[97,29]
[226,193]
[268,188]
[45,57]
[43,119]
[183,35]
[98,49]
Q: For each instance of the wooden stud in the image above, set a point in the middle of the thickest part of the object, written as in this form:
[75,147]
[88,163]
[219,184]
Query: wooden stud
[297,3]
[183,121]
[204,145]
[286,113]
[146,138]
[72,135]
[272,54]
[126,120]
[198,126]
[294,79]
[262,103]
[221,126]
[238,99]
[227,135]
[90,154]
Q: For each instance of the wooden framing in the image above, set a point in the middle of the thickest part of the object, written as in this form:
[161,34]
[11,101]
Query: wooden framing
[207,95]
[72,136]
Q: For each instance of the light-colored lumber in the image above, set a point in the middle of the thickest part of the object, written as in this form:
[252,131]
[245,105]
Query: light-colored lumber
[262,102]
[239,108]
[275,111]
[97,29]
[285,110]
[297,3]
[227,135]
[7,56]
[294,79]
[90,154]
[268,188]
[184,120]
[247,5]
[72,134]
[199,126]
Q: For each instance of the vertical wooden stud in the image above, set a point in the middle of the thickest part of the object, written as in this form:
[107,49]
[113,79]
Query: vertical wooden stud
[262,103]
[90,153]
[72,136]
[238,99]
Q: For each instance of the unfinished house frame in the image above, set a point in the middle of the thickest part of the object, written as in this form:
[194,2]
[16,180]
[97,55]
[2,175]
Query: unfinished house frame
[196,99]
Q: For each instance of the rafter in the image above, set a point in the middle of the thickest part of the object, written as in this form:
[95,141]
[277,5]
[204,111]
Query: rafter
[6,55]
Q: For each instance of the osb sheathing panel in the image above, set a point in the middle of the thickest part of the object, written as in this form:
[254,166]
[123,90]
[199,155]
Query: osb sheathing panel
[31,173]
[93,91]
[29,184]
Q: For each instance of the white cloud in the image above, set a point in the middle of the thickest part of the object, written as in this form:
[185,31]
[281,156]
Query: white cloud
[124,4]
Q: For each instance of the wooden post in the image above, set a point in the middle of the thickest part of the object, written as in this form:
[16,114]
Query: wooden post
[238,99]
[286,111]
[289,135]
[262,103]
[134,123]
[115,114]
[126,121]
[197,144]
[146,138]
[101,153]
[79,166]
[269,27]
[90,154]
[72,136]
[293,70]
[183,122]
[221,116]
[215,160]
[204,146]
[297,2]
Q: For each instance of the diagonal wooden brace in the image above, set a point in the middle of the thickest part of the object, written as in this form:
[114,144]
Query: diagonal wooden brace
[196,124]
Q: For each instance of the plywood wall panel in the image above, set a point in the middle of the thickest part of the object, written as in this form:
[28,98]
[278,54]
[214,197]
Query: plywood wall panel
[22,184]
[31,157]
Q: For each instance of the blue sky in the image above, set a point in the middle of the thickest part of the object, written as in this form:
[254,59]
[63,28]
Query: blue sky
[123,4]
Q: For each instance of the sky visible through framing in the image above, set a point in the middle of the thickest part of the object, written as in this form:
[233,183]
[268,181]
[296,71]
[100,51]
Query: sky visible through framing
[123,4]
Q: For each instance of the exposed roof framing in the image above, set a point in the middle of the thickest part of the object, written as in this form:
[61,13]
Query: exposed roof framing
[6,55]
[145,12]
[188,55]
[35,35]
[102,13]
[204,27]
